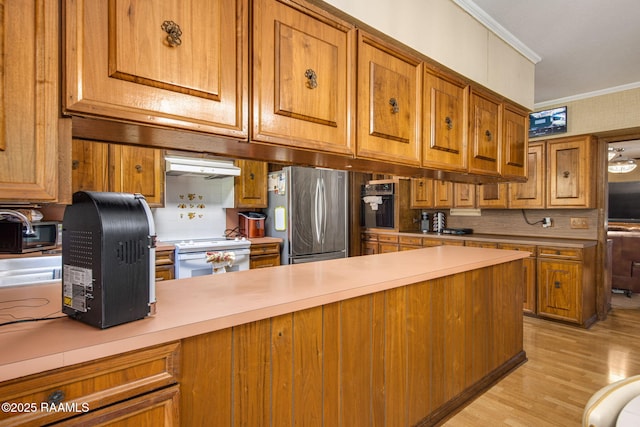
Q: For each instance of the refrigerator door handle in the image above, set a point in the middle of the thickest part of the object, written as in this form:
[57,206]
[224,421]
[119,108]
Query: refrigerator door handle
[316,207]
[324,209]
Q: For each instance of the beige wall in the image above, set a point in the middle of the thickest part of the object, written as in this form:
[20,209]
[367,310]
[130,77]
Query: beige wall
[447,34]
[614,111]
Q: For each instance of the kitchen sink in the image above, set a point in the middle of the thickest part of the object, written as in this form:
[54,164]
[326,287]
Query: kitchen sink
[29,271]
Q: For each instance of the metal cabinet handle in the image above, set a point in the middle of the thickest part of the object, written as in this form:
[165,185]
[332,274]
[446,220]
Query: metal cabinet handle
[312,78]
[394,106]
[173,33]
[56,397]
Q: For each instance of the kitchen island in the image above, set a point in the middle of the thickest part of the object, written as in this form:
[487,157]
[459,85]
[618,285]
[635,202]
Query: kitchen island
[395,339]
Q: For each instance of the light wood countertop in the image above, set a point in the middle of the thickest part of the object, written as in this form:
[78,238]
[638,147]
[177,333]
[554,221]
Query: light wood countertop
[189,307]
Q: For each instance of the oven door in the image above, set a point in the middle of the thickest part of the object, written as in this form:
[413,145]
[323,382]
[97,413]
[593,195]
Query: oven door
[192,264]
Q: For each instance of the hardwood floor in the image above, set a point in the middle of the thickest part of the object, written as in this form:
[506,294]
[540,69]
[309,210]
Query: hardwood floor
[565,366]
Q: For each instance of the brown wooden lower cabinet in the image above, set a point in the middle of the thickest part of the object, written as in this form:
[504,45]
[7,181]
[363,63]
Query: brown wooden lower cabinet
[394,358]
[565,284]
[133,389]
[264,255]
[548,266]
[165,263]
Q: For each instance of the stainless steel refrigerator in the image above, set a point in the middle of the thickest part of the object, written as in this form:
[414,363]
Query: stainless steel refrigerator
[308,210]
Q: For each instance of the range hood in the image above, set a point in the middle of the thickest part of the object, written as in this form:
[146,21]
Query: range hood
[204,168]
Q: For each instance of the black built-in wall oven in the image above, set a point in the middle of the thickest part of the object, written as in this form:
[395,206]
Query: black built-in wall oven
[376,205]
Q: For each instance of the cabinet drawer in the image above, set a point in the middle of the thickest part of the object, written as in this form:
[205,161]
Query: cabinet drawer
[91,385]
[387,238]
[368,237]
[164,258]
[411,240]
[555,252]
[477,244]
[388,247]
[264,261]
[516,247]
[427,242]
[265,249]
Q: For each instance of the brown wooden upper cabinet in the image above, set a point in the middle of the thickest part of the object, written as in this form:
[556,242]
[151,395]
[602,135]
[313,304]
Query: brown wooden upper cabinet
[250,188]
[484,133]
[531,194]
[180,64]
[570,171]
[515,135]
[98,166]
[29,109]
[389,90]
[303,78]
[492,196]
[445,130]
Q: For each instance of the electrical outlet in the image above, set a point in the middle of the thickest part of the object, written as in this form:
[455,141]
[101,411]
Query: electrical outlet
[582,223]
[546,222]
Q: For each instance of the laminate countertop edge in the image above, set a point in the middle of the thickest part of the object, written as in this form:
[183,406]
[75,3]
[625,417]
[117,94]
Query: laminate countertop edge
[189,307]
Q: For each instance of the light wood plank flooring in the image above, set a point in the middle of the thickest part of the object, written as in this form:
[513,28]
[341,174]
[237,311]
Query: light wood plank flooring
[565,366]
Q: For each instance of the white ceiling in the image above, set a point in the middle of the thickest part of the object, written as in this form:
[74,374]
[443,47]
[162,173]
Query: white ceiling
[585,47]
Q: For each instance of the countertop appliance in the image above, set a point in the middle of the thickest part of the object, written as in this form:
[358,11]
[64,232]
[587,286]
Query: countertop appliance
[251,224]
[191,255]
[308,211]
[108,258]
[15,240]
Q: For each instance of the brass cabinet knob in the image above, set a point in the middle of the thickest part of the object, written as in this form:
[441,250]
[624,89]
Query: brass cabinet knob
[312,78]
[395,108]
[173,33]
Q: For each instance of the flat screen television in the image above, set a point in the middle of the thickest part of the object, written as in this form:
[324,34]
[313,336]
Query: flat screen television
[548,122]
[624,201]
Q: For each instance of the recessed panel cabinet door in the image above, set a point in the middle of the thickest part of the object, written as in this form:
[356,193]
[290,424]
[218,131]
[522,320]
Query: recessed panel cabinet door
[29,144]
[446,106]
[531,194]
[569,170]
[388,103]
[137,170]
[484,147]
[514,143]
[180,63]
[303,78]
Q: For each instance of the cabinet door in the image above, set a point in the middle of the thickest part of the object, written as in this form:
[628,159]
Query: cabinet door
[464,195]
[484,144]
[531,194]
[303,78]
[388,103]
[137,170]
[250,188]
[570,173]
[445,118]
[493,195]
[515,135]
[442,194]
[178,63]
[29,101]
[421,193]
[559,285]
[89,171]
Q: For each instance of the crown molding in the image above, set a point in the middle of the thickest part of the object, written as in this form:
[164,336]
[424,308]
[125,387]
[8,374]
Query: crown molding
[586,95]
[492,25]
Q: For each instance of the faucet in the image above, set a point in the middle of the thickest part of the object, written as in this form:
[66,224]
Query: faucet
[30,231]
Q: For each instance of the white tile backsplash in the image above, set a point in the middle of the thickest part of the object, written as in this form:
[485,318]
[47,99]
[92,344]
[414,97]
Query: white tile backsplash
[194,208]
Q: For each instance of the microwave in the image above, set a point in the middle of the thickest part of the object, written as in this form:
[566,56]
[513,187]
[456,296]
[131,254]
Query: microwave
[14,241]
